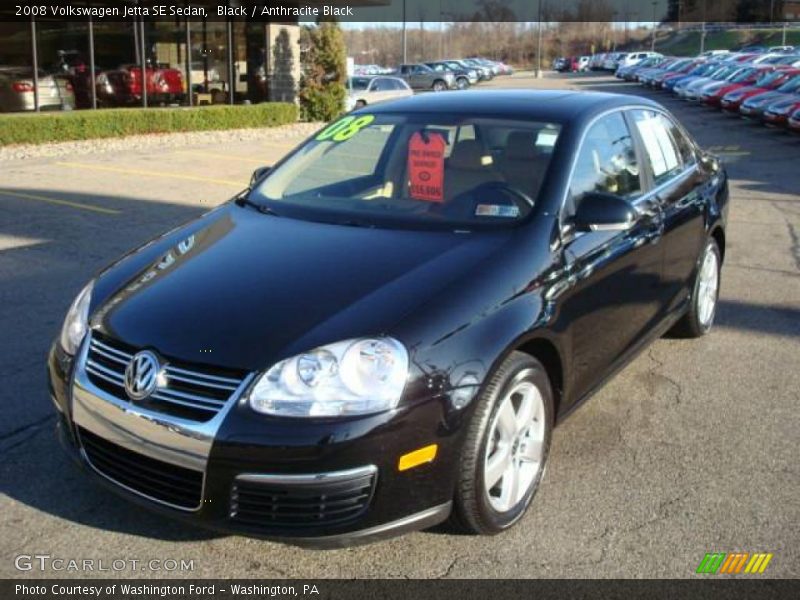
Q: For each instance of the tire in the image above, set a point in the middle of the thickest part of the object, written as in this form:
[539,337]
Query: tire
[360,104]
[699,319]
[475,507]
[439,86]
[462,83]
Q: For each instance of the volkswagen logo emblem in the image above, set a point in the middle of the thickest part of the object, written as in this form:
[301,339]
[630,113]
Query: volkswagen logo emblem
[141,375]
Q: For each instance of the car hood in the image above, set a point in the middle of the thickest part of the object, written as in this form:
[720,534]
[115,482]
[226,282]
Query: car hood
[767,98]
[240,289]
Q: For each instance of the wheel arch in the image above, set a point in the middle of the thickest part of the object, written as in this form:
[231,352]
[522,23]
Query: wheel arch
[718,233]
[547,353]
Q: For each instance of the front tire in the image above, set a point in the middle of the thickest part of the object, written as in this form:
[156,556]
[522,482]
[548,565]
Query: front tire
[439,86]
[506,447]
[705,293]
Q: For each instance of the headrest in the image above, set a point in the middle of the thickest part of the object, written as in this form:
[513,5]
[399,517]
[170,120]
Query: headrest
[521,145]
[468,154]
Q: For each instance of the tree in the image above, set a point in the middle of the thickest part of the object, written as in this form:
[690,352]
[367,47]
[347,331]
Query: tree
[322,84]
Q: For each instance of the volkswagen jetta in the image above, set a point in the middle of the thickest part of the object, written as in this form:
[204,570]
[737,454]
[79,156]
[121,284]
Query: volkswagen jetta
[383,329]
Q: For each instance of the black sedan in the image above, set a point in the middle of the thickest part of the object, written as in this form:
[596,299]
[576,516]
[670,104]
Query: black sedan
[382,331]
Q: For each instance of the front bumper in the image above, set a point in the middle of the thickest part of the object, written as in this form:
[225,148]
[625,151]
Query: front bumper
[318,483]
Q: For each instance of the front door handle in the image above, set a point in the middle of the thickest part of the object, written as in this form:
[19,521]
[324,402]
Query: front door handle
[652,220]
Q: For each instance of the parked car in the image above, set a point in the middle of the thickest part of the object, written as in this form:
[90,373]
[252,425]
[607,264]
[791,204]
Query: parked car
[422,77]
[464,76]
[17,91]
[693,90]
[480,73]
[700,70]
[793,122]
[633,58]
[493,66]
[559,63]
[123,86]
[371,90]
[484,72]
[712,94]
[611,61]
[393,334]
[777,113]
[756,106]
[564,64]
[631,73]
[768,81]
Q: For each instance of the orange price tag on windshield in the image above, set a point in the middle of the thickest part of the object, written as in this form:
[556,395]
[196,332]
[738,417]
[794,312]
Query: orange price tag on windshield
[426,167]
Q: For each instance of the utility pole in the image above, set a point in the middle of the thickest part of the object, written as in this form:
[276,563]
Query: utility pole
[703,37]
[539,42]
[405,38]
[655,24]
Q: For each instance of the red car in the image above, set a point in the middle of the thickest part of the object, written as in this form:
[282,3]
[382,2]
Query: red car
[748,76]
[121,86]
[765,83]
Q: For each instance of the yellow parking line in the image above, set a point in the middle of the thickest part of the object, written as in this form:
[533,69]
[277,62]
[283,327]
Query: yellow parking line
[100,209]
[220,156]
[148,173]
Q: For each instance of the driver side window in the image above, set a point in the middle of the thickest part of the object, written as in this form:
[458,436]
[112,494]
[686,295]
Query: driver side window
[606,162]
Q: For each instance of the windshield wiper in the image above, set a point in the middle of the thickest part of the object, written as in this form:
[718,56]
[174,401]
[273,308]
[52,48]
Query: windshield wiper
[244,200]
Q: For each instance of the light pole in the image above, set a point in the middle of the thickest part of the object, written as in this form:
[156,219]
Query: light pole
[539,42]
[653,38]
[405,38]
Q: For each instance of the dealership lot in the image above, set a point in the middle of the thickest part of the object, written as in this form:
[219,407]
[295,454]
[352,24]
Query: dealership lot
[691,449]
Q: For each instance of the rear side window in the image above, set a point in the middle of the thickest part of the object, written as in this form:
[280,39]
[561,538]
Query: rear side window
[606,161]
[661,149]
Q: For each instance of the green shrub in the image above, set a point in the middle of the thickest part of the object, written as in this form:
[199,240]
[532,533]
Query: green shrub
[322,84]
[116,122]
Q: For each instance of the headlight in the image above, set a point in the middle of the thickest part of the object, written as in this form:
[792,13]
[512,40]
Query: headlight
[76,323]
[353,377]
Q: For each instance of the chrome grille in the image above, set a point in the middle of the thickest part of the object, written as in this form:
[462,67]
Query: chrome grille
[187,392]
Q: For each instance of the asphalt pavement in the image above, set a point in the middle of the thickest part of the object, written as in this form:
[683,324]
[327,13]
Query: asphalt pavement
[691,449]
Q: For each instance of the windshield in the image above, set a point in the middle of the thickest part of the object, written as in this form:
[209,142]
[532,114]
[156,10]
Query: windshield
[743,76]
[414,171]
[769,78]
[791,85]
[359,83]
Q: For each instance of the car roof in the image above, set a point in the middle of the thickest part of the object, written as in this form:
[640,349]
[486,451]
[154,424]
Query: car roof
[541,105]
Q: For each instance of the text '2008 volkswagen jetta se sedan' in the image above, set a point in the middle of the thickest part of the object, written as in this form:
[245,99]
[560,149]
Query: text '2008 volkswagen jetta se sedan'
[382,331]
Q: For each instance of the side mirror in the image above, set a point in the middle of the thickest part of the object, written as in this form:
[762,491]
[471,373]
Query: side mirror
[599,211]
[258,175]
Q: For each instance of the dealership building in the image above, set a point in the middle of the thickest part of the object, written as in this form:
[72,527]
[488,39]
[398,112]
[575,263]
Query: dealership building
[187,60]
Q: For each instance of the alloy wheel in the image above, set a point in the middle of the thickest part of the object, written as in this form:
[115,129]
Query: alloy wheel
[515,447]
[708,288]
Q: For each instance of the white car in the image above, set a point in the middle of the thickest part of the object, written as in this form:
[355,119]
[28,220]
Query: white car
[371,90]
[633,58]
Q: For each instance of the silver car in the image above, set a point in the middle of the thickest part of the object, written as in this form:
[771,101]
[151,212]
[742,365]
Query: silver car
[17,91]
[370,90]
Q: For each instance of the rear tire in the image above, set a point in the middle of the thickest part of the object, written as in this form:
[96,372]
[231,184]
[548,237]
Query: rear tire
[497,443]
[462,83]
[699,318]
[439,86]
[360,104]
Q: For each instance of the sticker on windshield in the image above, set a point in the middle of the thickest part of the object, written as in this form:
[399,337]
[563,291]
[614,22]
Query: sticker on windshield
[426,166]
[508,211]
[344,128]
